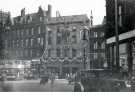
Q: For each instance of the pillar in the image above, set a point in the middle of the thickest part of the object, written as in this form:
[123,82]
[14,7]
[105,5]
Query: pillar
[60,70]
[129,56]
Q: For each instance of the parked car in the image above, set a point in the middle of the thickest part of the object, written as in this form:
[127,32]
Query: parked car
[11,76]
[133,82]
[29,76]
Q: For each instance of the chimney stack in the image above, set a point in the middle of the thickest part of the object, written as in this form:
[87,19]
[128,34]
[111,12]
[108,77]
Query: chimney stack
[49,11]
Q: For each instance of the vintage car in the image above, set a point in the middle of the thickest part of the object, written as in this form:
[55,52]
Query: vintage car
[133,82]
[97,80]
[11,76]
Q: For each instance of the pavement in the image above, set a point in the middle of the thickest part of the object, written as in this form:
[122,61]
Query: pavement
[60,85]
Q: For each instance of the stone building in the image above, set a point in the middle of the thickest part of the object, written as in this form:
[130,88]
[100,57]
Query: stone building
[64,44]
[27,36]
[97,47]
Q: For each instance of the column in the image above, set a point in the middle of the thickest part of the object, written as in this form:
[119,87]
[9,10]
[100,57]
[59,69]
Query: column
[60,69]
[70,69]
[129,56]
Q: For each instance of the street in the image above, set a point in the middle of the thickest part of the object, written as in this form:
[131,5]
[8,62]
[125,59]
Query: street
[60,85]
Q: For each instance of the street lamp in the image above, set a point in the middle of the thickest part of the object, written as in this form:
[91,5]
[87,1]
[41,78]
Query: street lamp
[117,34]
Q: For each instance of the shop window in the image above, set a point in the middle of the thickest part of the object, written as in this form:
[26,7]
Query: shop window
[58,52]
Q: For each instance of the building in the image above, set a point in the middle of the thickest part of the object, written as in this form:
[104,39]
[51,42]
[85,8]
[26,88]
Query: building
[126,13]
[97,46]
[24,39]
[126,26]
[3,20]
[64,44]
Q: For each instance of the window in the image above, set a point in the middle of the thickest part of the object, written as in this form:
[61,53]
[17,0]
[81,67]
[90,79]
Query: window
[103,45]
[95,45]
[32,31]
[32,41]
[17,53]
[95,34]
[58,37]
[58,52]
[38,41]
[27,42]
[18,33]
[31,53]
[38,53]
[102,34]
[42,41]
[39,30]
[41,18]
[26,53]
[49,37]
[17,43]
[95,55]
[21,32]
[74,29]
[13,42]
[21,43]
[65,36]
[66,52]
[74,39]
[21,53]
[58,40]
[6,43]
[74,52]
[58,29]
[27,31]
[49,52]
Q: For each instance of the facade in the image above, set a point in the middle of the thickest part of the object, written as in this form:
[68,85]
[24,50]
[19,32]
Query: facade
[64,44]
[126,19]
[97,46]
[126,26]
[24,39]
[3,19]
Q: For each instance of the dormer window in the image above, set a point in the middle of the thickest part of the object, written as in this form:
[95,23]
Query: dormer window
[74,28]
[41,18]
[29,19]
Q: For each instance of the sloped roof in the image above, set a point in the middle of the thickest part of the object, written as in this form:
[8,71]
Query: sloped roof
[72,18]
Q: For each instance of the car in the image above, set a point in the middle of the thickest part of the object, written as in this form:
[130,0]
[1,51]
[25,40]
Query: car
[97,80]
[11,76]
[133,82]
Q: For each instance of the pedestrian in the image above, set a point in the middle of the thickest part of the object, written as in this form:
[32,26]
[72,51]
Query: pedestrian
[52,78]
[124,71]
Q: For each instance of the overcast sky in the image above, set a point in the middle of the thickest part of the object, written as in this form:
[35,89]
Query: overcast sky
[65,7]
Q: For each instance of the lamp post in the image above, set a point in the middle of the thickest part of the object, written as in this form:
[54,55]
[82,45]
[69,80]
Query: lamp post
[116,34]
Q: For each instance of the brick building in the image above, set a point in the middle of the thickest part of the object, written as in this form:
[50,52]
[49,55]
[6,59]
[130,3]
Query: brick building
[24,39]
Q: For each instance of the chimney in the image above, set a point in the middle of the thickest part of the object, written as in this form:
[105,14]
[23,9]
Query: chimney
[49,11]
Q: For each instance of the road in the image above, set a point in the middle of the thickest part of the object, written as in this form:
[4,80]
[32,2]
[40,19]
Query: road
[60,85]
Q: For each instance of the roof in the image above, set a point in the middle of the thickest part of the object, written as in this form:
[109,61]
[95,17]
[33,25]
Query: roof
[72,18]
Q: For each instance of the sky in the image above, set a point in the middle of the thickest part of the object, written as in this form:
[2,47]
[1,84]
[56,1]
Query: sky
[65,7]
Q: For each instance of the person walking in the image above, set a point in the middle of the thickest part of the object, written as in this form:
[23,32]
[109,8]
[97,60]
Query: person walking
[52,78]
[124,71]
